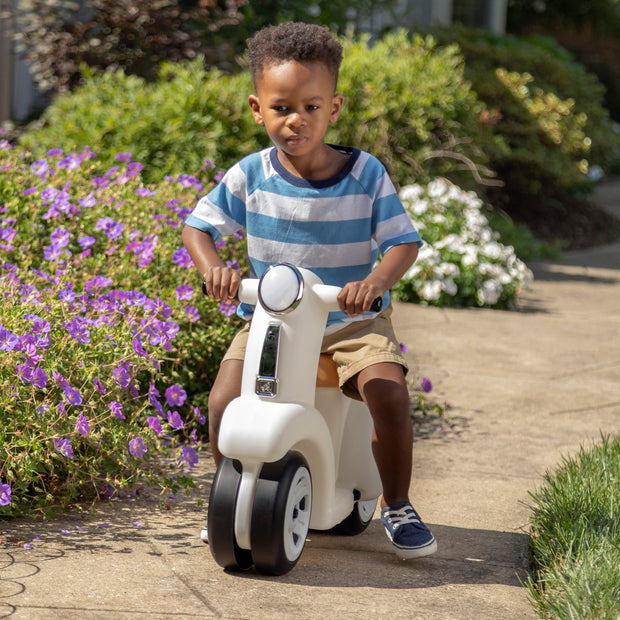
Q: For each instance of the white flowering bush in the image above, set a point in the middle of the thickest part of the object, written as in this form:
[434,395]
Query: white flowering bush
[461,263]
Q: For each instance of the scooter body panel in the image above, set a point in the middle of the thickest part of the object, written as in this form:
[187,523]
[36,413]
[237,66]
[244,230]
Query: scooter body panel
[285,412]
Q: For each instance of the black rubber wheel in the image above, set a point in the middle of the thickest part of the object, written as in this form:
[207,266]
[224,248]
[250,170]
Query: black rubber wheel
[281,514]
[358,520]
[221,518]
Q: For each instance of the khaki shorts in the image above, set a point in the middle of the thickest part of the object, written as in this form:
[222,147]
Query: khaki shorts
[354,347]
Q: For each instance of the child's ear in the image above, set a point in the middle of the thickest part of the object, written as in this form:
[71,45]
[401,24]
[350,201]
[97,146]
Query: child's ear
[337,104]
[256,112]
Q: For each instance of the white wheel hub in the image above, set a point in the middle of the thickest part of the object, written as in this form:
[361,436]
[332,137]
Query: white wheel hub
[297,516]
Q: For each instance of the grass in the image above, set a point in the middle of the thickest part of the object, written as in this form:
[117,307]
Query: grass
[575,538]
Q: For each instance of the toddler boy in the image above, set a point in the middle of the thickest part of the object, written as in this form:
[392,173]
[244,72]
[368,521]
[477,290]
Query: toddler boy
[329,209]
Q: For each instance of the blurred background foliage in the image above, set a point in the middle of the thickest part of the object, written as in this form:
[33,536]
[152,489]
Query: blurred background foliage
[517,117]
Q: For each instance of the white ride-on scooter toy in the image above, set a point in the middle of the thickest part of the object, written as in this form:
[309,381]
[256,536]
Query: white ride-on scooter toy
[296,455]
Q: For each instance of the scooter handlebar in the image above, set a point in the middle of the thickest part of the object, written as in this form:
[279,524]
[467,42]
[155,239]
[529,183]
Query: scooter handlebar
[248,294]
[329,296]
[248,291]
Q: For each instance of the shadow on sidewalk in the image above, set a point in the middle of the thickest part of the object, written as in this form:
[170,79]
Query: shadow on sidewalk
[465,556]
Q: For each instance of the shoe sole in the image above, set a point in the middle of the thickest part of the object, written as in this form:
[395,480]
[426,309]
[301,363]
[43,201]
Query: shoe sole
[407,553]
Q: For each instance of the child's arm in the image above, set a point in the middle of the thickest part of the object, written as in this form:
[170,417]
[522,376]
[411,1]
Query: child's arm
[357,297]
[221,282]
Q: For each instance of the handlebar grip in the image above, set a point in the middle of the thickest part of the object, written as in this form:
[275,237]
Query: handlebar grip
[376,305]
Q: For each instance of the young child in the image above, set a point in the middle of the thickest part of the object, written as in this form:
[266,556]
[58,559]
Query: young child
[329,209]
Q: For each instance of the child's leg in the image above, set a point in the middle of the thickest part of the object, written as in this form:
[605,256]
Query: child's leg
[384,389]
[227,386]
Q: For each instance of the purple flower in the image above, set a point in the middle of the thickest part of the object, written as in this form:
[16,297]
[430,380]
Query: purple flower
[73,395]
[40,168]
[60,380]
[192,313]
[70,162]
[52,253]
[155,425]
[39,378]
[122,376]
[97,282]
[174,419]
[82,426]
[427,386]
[201,418]
[123,157]
[138,348]
[143,191]
[64,447]
[86,242]
[100,387]
[39,325]
[137,447]
[189,455]
[88,201]
[175,395]
[153,394]
[8,234]
[24,372]
[78,331]
[60,237]
[5,494]
[112,228]
[8,340]
[117,410]
[184,292]
[181,258]
[227,309]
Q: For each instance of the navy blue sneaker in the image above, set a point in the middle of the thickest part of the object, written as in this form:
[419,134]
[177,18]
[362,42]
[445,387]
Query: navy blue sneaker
[410,537]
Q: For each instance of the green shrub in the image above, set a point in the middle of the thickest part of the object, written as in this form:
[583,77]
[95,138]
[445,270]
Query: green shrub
[170,125]
[407,103]
[546,109]
[104,332]
[575,537]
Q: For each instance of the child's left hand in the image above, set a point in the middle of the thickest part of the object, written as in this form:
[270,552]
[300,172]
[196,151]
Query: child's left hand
[357,297]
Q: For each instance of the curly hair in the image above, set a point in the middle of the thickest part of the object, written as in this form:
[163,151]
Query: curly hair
[295,41]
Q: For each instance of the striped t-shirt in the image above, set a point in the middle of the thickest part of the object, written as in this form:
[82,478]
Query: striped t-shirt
[334,227]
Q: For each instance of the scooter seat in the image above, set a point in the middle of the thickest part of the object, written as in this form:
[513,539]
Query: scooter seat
[326,375]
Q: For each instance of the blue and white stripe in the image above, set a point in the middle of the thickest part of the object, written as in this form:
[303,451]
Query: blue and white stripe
[336,227]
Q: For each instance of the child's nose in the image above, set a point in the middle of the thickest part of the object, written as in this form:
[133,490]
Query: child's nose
[295,119]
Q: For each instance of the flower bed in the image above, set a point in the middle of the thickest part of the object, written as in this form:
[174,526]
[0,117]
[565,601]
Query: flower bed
[104,362]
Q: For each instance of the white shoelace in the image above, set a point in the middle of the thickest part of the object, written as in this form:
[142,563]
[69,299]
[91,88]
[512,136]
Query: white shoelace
[402,516]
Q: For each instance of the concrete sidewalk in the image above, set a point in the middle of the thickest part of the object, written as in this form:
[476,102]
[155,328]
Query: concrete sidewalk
[525,388]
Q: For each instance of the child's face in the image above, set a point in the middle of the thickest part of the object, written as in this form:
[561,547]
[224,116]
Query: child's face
[296,103]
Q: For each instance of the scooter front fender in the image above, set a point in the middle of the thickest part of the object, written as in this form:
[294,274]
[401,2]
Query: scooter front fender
[256,431]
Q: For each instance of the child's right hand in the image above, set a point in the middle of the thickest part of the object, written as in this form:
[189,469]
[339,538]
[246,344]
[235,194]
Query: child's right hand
[222,283]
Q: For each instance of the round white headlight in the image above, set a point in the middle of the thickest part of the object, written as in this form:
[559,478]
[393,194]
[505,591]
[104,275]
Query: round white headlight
[280,288]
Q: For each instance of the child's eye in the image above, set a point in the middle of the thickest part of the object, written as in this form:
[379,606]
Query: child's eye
[312,108]
[280,108]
